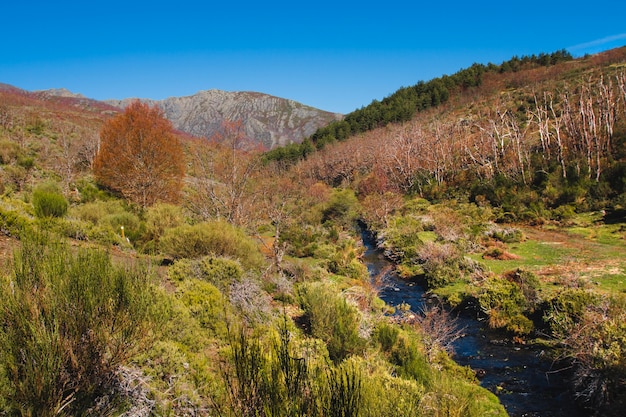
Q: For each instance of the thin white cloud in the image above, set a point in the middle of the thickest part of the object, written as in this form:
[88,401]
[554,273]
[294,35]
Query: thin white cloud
[597,42]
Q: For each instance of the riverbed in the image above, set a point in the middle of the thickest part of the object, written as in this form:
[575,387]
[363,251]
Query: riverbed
[524,378]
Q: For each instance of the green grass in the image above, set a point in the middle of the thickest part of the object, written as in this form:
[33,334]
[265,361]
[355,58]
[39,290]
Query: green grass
[533,255]
[612,283]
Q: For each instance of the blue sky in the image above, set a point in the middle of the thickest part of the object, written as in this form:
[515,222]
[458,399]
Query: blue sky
[334,55]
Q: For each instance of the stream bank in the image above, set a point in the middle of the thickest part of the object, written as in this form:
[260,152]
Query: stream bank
[523,377]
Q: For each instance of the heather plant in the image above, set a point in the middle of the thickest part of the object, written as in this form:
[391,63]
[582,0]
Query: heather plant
[596,344]
[219,271]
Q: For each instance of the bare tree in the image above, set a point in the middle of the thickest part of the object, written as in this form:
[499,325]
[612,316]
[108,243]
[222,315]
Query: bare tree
[225,168]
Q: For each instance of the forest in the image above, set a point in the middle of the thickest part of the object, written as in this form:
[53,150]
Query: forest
[145,272]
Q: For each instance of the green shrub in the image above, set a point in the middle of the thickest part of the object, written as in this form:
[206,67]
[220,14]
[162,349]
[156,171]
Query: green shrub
[161,217]
[48,201]
[219,271]
[504,303]
[387,335]
[342,208]
[133,228]
[567,308]
[410,361]
[402,238]
[94,212]
[508,235]
[13,222]
[205,304]
[211,238]
[68,322]
[331,319]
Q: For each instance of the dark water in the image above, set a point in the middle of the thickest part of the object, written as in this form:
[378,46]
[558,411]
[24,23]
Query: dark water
[524,378]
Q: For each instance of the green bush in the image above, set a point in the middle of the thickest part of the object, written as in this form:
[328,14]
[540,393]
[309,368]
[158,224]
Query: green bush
[68,321]
[342,208]
[133,228]
[504,303]
[219,271]
[205,304]
[387,335]
[161,217]
[94,212]
[215,238]
[48,201]
[13,222]
[331,319]
[508,235]
[567,308]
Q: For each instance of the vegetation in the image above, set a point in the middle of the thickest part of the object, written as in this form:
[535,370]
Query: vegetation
[499,188]
[402,105]
[69,322]
[139,157]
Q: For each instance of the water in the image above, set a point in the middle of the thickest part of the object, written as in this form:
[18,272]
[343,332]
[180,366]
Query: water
[523,377]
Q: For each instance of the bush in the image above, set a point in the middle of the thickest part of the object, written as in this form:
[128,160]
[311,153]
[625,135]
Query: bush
[504,303]
[13,222]
[216,238]
[441,264]
[205,304]
[48,201]
[508,235]
[330,318]
[342,208]
[219,271]
[161,217]
[67,323]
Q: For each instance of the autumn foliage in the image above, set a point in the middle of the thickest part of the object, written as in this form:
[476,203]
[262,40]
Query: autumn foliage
[140,157]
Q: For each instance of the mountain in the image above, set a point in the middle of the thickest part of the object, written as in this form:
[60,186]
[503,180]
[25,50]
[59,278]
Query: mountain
[270,120]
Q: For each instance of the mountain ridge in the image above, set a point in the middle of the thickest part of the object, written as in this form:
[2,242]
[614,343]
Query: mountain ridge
[270,120]
[267,120]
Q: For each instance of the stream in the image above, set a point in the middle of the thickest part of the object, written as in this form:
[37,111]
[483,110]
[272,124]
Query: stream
[523,377]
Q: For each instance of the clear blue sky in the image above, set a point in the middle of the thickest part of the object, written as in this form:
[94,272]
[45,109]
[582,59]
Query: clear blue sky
[334,55]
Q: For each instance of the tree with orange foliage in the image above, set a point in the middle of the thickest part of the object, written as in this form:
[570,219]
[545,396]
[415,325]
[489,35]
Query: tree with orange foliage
[140,157]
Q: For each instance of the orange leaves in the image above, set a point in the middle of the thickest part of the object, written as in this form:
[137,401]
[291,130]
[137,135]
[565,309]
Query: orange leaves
[140,157]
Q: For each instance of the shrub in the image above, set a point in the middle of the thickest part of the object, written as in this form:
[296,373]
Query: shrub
[250,301]
[330,318]
[566,309]
[216,238]
[48,201]
[504,303]
[13,222]
[68,322]
[508,235]
[161,217]
[219,271]
[596,343]
[387,335]
[95,212]
[205,304]
[133,229]
[440,263]
[342,208]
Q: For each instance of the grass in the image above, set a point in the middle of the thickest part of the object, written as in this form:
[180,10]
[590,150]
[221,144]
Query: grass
[587,253]
[533,255]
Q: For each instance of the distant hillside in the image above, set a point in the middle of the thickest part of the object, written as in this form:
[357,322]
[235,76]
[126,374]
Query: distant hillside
[526,141]
[272,121]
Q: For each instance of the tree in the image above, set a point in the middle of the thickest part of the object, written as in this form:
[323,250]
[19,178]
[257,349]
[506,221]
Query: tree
[140,157]
[225,170]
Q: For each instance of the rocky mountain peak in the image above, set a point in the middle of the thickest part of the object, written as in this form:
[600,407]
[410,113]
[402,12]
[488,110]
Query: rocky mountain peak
[269,120]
